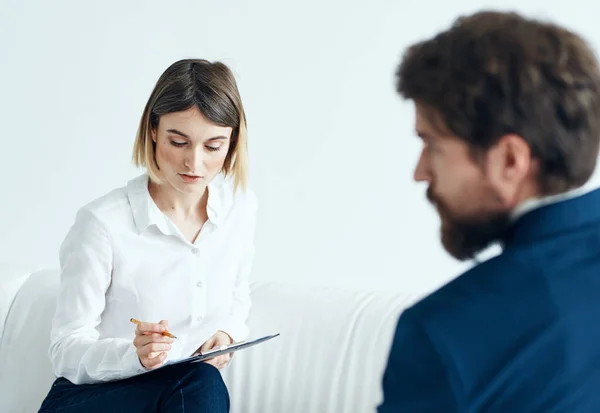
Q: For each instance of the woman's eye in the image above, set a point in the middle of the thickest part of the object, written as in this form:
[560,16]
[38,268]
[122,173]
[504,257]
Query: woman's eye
[213,148]
[177,144]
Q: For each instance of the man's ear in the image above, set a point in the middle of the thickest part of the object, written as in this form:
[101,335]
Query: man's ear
[508,167]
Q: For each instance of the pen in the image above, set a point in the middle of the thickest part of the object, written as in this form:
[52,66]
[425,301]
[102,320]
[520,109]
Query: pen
[165,333]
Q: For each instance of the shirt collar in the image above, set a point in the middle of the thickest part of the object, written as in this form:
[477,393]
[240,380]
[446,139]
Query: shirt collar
[534,203]
[218,198]
[146,213]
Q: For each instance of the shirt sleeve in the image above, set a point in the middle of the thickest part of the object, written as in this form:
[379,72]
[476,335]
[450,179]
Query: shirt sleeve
[75,350]
[235,323]
[415,379]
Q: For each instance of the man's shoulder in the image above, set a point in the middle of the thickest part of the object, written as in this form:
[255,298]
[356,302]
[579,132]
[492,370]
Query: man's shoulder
[469,291]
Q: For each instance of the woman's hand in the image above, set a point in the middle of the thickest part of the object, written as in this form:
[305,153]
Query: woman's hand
[220,338]
[151,345]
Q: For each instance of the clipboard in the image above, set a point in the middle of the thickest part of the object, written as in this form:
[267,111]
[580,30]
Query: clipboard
[232,348]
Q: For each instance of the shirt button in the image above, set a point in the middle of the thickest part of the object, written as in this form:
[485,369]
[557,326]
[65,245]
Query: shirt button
[195,251]
[199,284]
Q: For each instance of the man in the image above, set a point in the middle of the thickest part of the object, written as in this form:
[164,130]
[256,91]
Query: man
[508,110]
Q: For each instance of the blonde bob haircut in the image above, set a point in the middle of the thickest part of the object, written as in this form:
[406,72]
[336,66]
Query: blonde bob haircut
[211,88]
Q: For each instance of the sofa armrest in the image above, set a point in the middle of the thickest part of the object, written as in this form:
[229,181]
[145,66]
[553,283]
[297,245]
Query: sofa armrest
[12,277]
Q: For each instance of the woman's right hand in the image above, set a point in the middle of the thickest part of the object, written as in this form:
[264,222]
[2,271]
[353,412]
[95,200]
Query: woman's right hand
[151,346]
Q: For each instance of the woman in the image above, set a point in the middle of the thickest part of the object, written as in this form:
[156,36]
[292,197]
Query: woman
[175,246]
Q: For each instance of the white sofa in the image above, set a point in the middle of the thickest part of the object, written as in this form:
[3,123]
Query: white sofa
[329,358]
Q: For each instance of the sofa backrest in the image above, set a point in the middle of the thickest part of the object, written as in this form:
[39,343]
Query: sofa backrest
[329,357]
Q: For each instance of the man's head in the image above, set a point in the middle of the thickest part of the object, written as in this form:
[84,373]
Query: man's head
[508,109]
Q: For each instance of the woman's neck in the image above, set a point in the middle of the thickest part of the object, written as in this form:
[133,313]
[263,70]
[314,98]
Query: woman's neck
[175,203]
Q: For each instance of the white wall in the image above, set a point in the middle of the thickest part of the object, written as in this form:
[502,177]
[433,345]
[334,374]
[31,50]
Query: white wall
[332,146]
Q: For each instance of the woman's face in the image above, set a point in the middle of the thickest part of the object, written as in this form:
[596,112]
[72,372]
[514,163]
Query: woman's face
[190,150]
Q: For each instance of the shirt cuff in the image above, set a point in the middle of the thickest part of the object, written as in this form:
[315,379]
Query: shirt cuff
[132,364]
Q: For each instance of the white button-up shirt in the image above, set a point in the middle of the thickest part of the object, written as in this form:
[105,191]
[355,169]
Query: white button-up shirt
[124,258]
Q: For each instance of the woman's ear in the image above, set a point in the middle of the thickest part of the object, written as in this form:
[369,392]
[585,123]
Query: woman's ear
[153,134]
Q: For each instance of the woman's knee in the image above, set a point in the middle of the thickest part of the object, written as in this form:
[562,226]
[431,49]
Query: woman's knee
[194,388]
[204,384]
[206,375]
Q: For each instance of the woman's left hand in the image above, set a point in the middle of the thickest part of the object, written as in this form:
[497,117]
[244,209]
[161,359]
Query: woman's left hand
[220,338]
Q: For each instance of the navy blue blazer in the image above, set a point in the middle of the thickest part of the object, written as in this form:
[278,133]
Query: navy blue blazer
[517,333]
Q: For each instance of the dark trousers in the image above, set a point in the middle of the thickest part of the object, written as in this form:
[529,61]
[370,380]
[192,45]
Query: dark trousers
[184,387]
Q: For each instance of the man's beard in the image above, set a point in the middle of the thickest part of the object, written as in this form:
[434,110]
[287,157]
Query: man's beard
[464,237]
